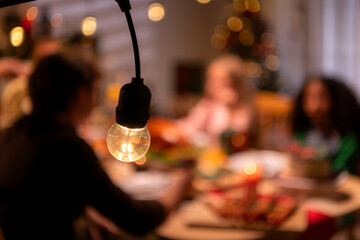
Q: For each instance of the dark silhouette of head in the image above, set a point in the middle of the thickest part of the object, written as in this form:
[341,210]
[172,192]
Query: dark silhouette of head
[56,80]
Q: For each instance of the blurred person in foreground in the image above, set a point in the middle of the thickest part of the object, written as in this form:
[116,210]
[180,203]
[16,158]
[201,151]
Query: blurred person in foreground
[15,101]
[48,174]
[326,117]
[226,105]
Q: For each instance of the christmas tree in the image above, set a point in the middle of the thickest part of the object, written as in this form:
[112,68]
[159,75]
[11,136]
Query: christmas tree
[244,33]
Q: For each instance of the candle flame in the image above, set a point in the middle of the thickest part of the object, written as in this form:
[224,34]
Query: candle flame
[250,168]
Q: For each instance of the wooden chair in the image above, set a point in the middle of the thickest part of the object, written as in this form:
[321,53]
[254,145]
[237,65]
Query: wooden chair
[273,116]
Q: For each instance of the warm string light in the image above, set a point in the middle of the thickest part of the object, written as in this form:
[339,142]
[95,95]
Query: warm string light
[88,26]
[141,161]
[112,91]
[156,12]
[252,172]
[17,36]
[31,13]
[128,139]
[223,30]
[247,5]
[203,1]
[56,20]
[246,37]
[234,24]
[272,62]
[218,41]
[253,69]
[128,144]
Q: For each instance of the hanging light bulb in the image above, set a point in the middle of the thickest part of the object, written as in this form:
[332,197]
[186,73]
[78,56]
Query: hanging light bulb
[128,144]
[128,139]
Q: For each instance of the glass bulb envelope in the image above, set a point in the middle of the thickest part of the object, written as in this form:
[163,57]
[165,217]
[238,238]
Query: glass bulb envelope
[127,144]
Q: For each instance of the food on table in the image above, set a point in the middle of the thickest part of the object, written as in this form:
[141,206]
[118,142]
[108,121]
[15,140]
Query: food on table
[259,208]
[283,206]
[269,210]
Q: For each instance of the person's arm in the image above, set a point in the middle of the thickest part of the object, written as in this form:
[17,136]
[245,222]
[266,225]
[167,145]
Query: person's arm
[182,184]
[96,189]
[169,202]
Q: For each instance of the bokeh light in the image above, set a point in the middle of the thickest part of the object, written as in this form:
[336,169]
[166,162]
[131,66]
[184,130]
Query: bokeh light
[253,6]
[56,20]
[246,37]
[239,5]
[238,140]
[141,161]
[223,30]
[88,26]
[250,168]
[31,13]
[272,62]
[253,69]
[203,1]
[112,91]
[247,5]
[156,12]
[234,24]
[127,144]
[218,41]
[16,36]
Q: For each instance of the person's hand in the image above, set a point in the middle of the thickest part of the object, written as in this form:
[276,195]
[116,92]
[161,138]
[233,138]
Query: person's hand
[182,179]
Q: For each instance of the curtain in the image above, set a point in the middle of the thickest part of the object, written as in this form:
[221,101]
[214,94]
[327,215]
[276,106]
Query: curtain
[316,37]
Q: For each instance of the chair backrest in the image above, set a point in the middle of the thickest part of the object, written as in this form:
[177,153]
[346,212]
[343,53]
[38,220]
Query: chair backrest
[273,112]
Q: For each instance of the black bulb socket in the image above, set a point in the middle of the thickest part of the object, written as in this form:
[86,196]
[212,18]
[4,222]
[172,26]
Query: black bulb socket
[134,104]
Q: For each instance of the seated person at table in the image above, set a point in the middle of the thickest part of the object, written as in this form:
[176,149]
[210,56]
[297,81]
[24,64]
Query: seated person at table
[48,174]
[326,116]
[227,104]
[14,99]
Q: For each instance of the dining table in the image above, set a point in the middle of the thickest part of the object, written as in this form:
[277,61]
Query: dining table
[194,220]
[329,202]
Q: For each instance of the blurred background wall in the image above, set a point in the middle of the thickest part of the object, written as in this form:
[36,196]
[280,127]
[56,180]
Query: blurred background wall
[301,37]
[316,37]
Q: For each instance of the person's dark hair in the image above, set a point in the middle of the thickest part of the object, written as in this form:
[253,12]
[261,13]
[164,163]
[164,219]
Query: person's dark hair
[344,110]
[56,79]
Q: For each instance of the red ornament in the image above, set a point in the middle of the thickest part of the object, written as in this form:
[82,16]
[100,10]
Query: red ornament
[26,25]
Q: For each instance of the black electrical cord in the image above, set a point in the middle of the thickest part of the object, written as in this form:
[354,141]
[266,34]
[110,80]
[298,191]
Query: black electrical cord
[125,7]
[133,107]
[6,3]
[135,44]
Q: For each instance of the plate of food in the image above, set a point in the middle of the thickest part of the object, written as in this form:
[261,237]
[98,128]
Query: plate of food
[263,211]
[147,185]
